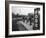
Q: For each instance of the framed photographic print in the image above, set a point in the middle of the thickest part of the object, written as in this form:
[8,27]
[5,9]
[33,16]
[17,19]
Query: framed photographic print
[24,18]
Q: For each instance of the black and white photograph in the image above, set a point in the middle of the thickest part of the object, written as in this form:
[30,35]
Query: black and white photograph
[25,18]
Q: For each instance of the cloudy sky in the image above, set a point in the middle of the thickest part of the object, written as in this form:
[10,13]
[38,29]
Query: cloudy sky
[22,10]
